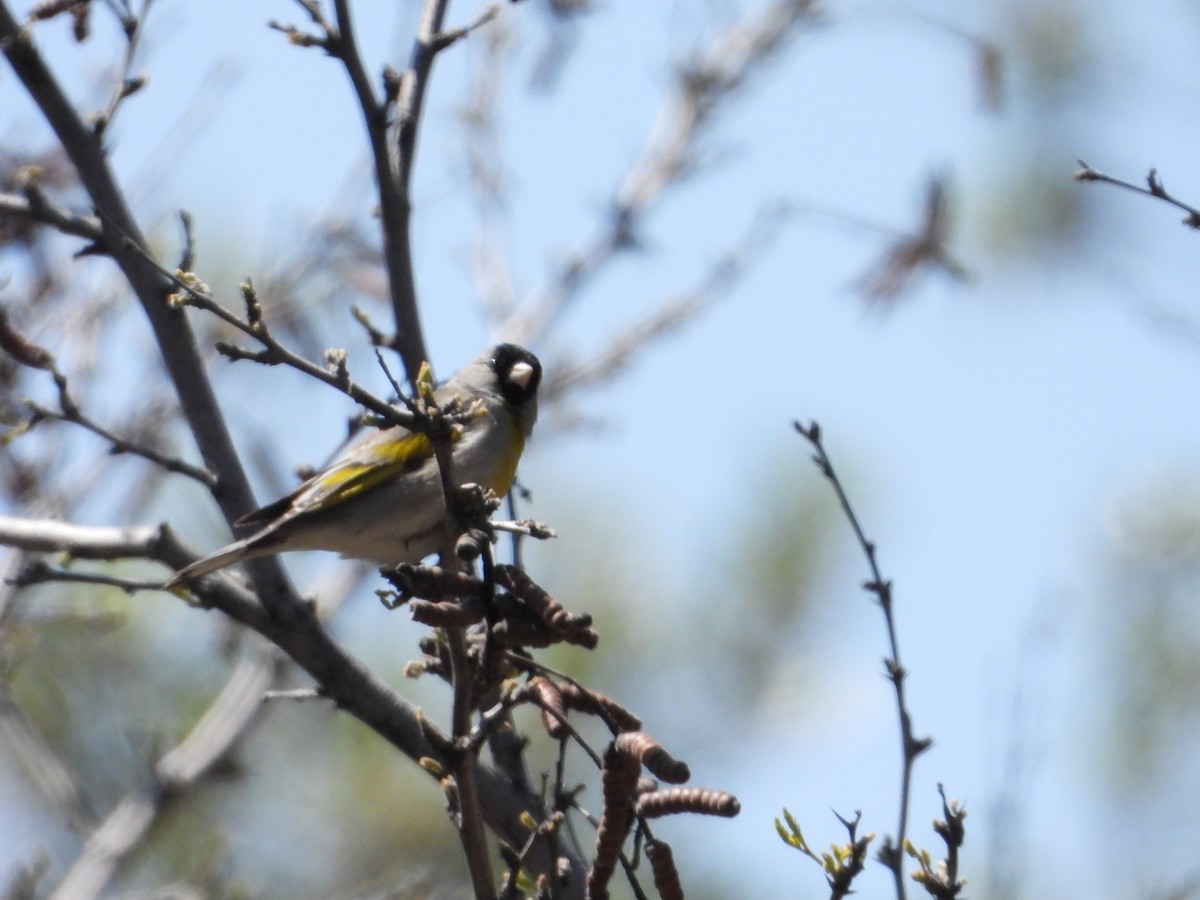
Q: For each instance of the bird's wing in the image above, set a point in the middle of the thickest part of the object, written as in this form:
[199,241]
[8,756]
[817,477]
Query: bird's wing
[374,461]
[366,467]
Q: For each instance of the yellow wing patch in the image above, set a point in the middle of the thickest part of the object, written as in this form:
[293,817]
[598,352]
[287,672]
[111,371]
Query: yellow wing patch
[391,459]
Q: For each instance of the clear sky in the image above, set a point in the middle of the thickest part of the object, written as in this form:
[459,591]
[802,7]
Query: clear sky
[995,434]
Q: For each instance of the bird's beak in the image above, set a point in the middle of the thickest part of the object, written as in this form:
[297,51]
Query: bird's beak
[520,374]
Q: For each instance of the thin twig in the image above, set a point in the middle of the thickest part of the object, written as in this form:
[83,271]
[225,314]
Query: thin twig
[891,853]
[702,90]
[29,353]
[226,721]
[42,573]
[176,342]
[191,292]
[35,208]
[118,445]
[127,84]
[1154,188]
[470,824]
[392,174]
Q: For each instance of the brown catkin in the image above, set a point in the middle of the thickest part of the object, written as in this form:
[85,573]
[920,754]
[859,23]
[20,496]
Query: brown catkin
[618,782]
[512,632]
[666,876]
[585,701]
[687,800]
[650,753]
[433,581]
[549,698]
[446,613]
[538,600]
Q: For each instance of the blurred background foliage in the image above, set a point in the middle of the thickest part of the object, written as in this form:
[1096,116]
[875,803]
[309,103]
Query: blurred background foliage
[741,638]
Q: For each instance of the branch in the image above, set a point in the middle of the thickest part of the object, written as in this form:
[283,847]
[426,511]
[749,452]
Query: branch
[702,89]
[34,207]
[49,773]
[46,769]
[891,853]
[127,85]
[393,161]
[470,826]
[193,293]
[720,278]
[1154,188]
[392,178]
[30,354]
[91,542]
[226,721]
[123,241]
[119,445]
[341,678]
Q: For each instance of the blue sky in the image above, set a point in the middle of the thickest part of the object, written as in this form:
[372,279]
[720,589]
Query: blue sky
[992,433]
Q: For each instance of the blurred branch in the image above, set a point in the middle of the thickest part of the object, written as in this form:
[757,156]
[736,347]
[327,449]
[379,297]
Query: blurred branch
[33,207]
[91,542]
[561,41]
[988,57]
[123,241]
[702,89]
[42,573]
[116,836]
[341,678]
[487,175]
[46,769]
[126,83]
[69,411]
[182,768]
[924,250]
[718,281]
[1154,188]
[891,853]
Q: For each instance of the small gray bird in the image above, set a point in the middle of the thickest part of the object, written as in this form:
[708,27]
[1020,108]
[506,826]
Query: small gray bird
[381,499]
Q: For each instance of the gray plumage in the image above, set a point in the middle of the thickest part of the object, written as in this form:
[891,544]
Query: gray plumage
[381,499]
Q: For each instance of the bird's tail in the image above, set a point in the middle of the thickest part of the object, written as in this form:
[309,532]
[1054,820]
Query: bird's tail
[226,556]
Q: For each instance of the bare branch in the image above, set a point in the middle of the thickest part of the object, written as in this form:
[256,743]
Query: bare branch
[720,278]
[48,772]
[127,84]
[1154,188]
[117,835]
[226,721]
[891,853]
[469,822]
[46,769]
[924,250]
[90,542]
[393,176]
[70,412]
[341,678]
[35,208]
[701,91]
[123,241]
[453,35]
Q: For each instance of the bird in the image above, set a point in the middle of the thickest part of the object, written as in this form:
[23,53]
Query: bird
[381,499]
